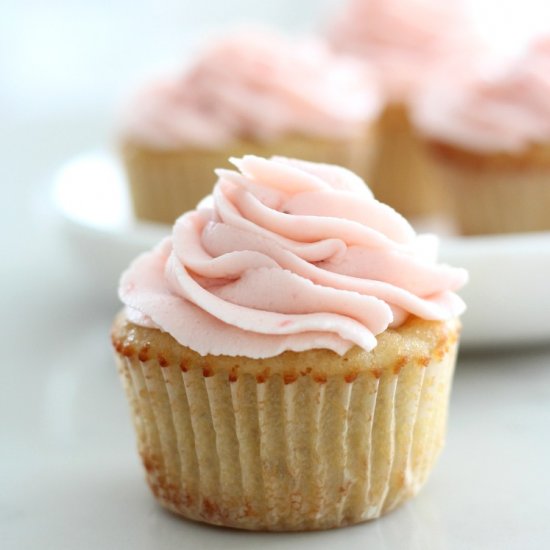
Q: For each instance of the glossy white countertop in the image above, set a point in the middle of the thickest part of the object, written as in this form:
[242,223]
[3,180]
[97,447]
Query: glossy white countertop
[70,477]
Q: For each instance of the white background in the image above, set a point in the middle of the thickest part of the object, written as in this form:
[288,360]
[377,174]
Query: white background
[69,475]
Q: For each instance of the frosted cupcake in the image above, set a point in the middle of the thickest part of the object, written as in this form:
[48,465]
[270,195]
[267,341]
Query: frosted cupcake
[288,352]
[405,41]
[252,91]
[489,137]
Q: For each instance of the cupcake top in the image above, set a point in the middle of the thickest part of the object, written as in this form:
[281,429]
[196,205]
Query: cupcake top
[502,106]
[404,40]
[288,255]
[254,84]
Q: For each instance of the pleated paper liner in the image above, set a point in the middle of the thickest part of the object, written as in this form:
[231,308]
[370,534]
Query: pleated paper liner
[400,175]
[495,192]
[301,441]
[165,184]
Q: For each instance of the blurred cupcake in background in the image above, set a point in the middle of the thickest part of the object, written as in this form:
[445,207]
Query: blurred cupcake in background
[250,91]
[488,135]
[405,41]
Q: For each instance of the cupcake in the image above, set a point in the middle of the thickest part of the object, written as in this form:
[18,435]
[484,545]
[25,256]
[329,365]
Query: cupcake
[288,352]
[488,136]
[404,41]
[251,91]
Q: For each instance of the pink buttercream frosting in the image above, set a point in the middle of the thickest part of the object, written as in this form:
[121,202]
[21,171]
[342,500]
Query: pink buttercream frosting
[288,255]
[255,84]
[404,40]
[503,105]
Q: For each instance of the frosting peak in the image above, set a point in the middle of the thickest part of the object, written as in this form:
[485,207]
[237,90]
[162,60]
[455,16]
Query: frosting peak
[288,255]
[255,84]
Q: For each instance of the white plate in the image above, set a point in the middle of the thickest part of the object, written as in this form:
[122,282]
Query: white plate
[508,294]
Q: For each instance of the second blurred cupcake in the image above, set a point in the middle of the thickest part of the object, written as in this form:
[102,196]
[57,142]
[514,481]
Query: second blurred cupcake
[488,136]
[405,41]
[251,91]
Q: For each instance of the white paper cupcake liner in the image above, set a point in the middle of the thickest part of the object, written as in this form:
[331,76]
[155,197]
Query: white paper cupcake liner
[489,200]
[165,184]
[287,453]
[400,174]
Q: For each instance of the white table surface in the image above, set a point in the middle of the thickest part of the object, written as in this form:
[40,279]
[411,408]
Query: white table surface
[70,476]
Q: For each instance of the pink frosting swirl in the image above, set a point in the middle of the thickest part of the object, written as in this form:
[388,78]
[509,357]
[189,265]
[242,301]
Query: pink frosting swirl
[502,106]
[288,255]
[255,84]
[404,40]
